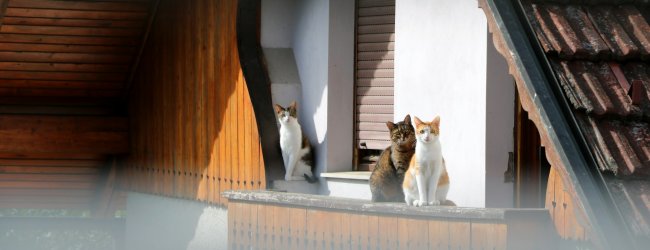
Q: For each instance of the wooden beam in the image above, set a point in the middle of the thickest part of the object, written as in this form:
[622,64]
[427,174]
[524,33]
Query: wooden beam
[63,134]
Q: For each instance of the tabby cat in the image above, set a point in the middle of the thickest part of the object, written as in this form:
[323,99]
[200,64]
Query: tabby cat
[386,179]
[296,149]
[426,182]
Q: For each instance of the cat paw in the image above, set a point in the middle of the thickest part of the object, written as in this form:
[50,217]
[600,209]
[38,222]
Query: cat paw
[434,203]
[287,177]
[419,203]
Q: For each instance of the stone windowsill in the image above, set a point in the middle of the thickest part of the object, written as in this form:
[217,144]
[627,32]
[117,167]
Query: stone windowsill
[351,175]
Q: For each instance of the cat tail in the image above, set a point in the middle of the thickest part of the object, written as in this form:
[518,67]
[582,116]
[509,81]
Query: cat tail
[311,179]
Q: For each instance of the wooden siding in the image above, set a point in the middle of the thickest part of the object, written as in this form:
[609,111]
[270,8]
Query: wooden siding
[70,51]
[568,219]
[194,132]
[294,221]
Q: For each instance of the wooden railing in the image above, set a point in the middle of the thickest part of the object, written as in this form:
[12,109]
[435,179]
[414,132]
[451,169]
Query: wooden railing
[272,220]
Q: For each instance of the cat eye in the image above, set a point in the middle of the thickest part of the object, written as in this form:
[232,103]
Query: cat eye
[421,131]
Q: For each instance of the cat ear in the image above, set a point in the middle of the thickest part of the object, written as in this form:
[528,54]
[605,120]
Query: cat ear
[293,105]
[390,125]
[407,119]
[278,108]
[417,121]
[436,122]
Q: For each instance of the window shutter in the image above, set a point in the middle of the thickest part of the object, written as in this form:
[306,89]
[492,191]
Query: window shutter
[374,77]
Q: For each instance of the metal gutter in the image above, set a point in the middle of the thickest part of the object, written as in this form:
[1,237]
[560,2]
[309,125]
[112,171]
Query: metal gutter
[559,122]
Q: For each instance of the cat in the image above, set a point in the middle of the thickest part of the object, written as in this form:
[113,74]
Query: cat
[386,179]
[296,150]
[426,181]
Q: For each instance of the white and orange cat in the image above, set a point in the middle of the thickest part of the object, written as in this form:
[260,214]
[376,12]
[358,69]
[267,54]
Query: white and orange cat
[296,149]
[426,182]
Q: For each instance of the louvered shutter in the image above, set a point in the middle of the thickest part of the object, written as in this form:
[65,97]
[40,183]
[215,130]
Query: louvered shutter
[374,77]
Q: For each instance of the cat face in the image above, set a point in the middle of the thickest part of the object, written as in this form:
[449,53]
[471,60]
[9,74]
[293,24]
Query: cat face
[402,134]
[427,132]
[286,115]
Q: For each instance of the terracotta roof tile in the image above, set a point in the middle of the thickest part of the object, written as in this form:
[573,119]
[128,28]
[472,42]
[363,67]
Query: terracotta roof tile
[601,56]
[622,148]
[593,32]
[594,88]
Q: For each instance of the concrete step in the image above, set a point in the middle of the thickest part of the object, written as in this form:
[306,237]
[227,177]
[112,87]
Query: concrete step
[301,186]
[352,184]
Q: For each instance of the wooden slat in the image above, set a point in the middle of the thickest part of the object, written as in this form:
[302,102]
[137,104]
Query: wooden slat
[374,3]
[372,20]
[75,14]
[48,177]
[383,64]
[48,170]
[65,95]
[63,57]
[98,49]
[69,31]
[371,82]
[376,29]
[47,192]
[62,67]
[51,162]
[47,184]
[376,11]
[375,109]
[373,135]
[63,134]
[372,126]
[36,21]
[376,38]
[374,55]
[459,235]
[375,100]
[375,73]
[379,91]
[79,5]
[68,40]
[62,76]
[375,117]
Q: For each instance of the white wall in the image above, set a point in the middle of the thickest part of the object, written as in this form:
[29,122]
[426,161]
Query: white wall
[277,20]
[323,44]
[310,47]
[156,222]
[500,122]
[440,69]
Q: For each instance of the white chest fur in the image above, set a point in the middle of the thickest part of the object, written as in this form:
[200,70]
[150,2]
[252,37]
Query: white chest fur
[290,137]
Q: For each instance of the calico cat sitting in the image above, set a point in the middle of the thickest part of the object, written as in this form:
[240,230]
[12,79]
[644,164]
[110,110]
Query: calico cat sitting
[296,149]
[386,179]
[426,182]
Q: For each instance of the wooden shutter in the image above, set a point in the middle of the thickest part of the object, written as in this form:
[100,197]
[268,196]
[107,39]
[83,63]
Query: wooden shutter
[374,77]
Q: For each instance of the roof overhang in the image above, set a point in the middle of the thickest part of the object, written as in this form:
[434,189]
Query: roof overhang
[556,124]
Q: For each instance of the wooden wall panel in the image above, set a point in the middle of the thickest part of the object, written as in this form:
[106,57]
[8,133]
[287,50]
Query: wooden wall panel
[271,226]
[194,132]
[568,219]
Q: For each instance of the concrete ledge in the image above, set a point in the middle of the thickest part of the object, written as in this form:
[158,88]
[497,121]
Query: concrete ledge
[362,206]
[352,175]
